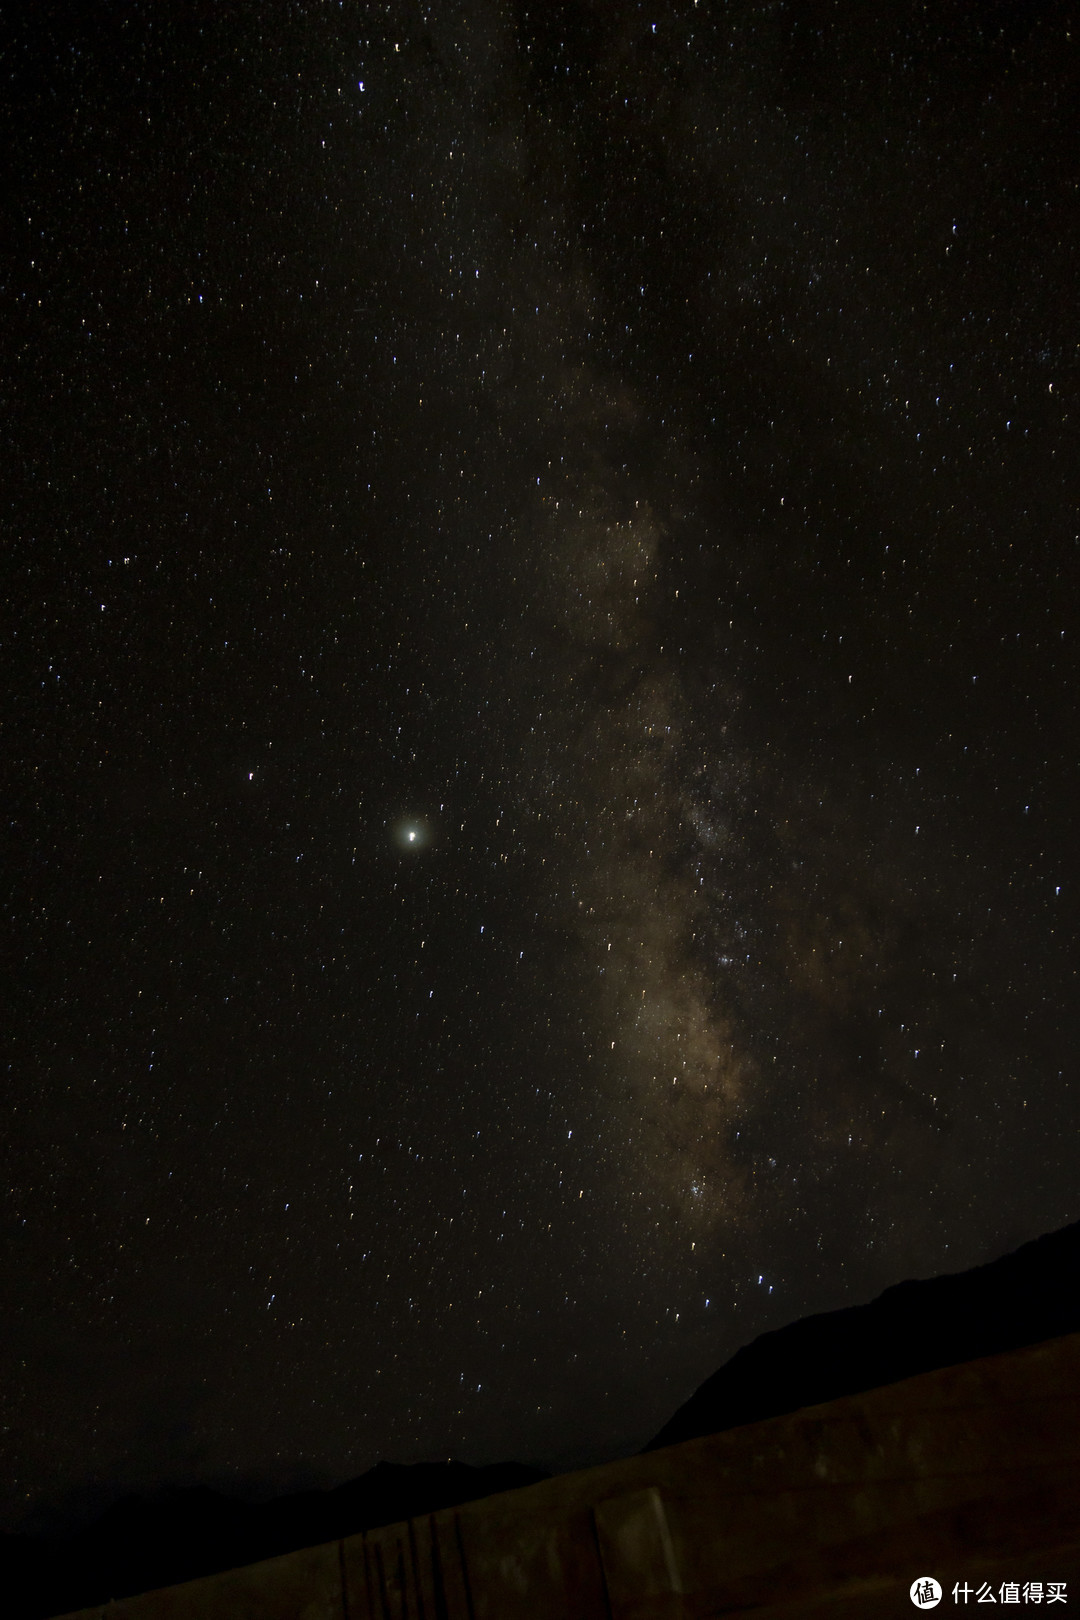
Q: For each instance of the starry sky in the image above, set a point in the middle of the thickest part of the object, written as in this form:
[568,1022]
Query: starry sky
[540,653]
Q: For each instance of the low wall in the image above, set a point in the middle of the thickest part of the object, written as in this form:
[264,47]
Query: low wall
[970,1474]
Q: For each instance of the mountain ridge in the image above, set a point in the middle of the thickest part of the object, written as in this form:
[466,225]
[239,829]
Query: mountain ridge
[141,1543]
[1022,1298]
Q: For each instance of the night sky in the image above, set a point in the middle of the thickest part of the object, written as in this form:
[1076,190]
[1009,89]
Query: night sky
[540,662]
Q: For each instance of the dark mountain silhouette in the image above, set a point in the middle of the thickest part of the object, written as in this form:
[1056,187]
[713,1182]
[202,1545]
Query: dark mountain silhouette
[914,1327]
[139,1543]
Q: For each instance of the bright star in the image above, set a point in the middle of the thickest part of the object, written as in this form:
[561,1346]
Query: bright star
[413,834]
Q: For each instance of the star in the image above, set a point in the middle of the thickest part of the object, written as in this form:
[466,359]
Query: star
[412,833]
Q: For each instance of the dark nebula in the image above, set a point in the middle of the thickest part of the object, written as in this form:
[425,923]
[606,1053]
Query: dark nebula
[540,574]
